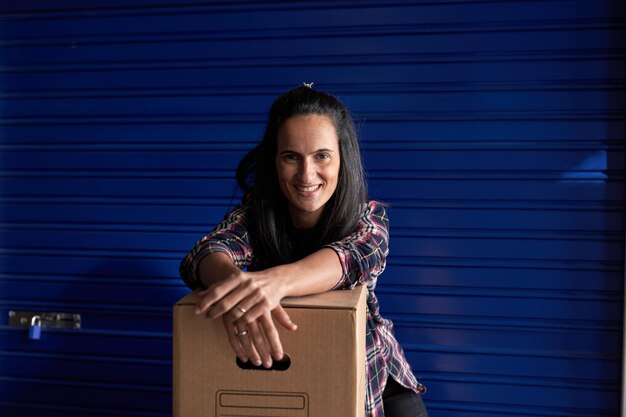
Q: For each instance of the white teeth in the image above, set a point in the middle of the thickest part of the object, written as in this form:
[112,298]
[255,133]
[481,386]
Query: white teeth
[308,189]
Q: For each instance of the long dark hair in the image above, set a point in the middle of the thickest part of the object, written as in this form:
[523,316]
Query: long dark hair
[269,219]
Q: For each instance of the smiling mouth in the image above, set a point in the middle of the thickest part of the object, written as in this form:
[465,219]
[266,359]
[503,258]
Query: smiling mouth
[308,189]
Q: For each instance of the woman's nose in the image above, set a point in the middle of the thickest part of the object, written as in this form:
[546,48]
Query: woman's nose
[306,172]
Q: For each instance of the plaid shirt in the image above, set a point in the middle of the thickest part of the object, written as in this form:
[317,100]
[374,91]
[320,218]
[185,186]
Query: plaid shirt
[362,255]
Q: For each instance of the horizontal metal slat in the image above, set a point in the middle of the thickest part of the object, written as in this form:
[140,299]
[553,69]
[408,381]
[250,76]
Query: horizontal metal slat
[401,271]
[86,394]
[512,364]
[90,343]
[428,104]
[530,58]
[372,88]
[32,366]
[455,246]
[406,231]
[465,8]
[223,185]
[606,164]
[437,220]
[322,45]
[292,72]
[492,133]
[53,409]
[152,258]
[452,408]
[329,28]
[513,396]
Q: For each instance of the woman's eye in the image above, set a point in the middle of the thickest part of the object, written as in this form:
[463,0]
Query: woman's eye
[323,156]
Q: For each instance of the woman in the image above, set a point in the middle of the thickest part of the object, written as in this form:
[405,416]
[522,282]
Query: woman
[304,227]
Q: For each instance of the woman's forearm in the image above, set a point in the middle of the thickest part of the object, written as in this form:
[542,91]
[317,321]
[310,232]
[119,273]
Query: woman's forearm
[314,274]
[215,267]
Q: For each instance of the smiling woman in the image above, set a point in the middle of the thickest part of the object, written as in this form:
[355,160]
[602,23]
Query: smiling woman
[307,164]
[305,226]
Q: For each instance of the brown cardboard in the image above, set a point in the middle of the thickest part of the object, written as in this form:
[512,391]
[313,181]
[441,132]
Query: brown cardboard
[326,377]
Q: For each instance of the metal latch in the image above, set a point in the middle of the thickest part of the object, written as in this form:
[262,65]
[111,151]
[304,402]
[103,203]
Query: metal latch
[48,320]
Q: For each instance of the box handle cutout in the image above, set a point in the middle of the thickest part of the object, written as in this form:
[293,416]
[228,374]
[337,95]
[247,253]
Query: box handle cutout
[281,365]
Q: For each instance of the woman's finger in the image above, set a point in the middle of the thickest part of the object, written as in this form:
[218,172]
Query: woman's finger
[235,341]
[258,339]
[246,310]
[245,338]
[271,334]
[204,291]
[216,292]
[237,302]
[283,318]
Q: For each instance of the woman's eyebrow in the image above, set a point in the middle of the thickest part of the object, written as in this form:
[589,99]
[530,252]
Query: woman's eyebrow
[314,152]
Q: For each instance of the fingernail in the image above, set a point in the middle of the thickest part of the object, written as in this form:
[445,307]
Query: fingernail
[257,363]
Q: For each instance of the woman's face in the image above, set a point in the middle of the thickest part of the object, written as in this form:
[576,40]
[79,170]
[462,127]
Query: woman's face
[307,162]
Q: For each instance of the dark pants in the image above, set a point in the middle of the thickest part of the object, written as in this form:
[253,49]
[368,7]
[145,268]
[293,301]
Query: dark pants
[402,402]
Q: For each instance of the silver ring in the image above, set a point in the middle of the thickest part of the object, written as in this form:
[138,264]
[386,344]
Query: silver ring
[242,333]
[243,310]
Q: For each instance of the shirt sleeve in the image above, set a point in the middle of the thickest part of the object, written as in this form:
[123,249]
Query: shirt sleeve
[229,237]
[363,252]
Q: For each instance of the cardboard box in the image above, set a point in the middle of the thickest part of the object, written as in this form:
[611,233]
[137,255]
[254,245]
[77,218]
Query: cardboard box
[326,377]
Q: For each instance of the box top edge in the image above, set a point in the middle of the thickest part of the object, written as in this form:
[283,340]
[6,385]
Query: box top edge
[336,299]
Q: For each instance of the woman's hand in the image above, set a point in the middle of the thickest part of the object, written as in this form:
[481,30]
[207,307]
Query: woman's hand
[243,296]
[259,341]
[246,301]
